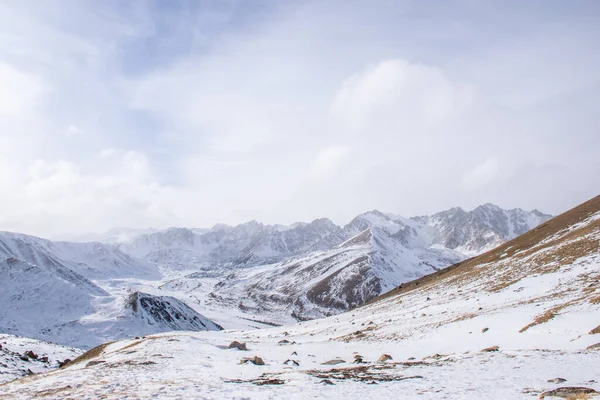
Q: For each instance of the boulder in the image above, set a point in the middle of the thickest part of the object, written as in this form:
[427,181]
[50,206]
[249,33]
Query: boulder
[63,363]
[384,358]
[557,380]
[568,392]
[490,349]
[31,354]
[237,345]
[256,360]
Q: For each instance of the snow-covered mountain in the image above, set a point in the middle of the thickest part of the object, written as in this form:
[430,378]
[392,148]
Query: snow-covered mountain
[91,260]
[309,270]
[487,226]
[323,282]
[253,243]
[524,316]
[77,293]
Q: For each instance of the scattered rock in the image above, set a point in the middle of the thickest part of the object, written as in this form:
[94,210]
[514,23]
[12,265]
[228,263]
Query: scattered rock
[327,382]
[43,359]
[63,363]
[31,354]
[557,380]
[484,330]
[284,341]
[285,334]
[293,362]
[490,349]
[29,372]
[333,362]
[24,358]
[256,360]
[411,358]
[567,392]
[358,359]
[595,330]
[294,354]
[371,323]
[237,345]
[384,358]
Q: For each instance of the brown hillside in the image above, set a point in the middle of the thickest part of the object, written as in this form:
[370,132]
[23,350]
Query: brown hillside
[563,232]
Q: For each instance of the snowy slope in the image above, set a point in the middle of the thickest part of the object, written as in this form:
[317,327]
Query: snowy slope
[78,294]
[537,298]
[320,283]
[17,361]
[92,260]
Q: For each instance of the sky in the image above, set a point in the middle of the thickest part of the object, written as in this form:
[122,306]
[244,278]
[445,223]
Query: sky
[191,113]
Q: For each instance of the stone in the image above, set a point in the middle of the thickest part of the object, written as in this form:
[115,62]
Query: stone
[484,330]
[292,362]
[237,345]
[557,380]
[256,360]
[384,358]
[63,363]
[490,349]
[31,354]
[567,392]
[327,382]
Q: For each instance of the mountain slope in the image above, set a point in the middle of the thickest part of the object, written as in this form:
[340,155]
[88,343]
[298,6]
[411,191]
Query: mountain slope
[92,260]
[46,292]
[521,316]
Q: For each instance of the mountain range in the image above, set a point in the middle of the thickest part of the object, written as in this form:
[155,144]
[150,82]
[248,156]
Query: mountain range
[251,275]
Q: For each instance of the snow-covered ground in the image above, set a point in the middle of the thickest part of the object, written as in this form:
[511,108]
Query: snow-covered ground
[15,363]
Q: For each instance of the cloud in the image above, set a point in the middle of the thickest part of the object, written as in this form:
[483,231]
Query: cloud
[399,90]
[224,113]
[20,91]
[483,174]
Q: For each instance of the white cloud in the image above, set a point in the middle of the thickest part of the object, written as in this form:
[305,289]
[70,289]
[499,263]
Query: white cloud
[482,174]
[400,91]
[72,130]
[19,92]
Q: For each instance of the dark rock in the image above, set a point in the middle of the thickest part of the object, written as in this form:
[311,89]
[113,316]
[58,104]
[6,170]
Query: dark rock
[490,349]
[294,354]
[484,330]
[292,362]
[557,380]
[63,363]
[237,345]
[327,382]
[43,359]
[31,354]
[256,360]
[567,392]
[24,358]
[284,341]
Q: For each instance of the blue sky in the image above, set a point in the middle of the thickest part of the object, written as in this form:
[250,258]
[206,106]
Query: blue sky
[189,113]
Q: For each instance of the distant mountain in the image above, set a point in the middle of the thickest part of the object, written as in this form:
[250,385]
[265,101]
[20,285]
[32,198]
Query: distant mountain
[52,291]
[308,270]
[253,243]
[482,229]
